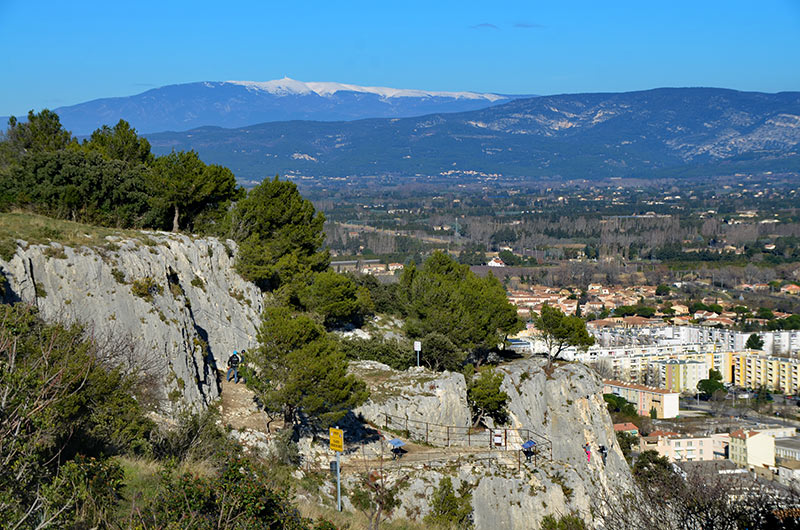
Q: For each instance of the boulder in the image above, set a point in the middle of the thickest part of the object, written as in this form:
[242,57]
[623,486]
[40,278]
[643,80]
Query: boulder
[417,394]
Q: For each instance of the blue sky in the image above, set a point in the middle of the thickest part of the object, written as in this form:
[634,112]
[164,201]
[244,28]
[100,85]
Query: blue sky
[59,53]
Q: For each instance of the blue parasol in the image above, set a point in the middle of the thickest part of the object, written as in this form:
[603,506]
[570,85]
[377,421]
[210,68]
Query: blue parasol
[396,443]
[528,444]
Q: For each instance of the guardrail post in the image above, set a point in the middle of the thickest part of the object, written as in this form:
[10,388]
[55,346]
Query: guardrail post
[469,436]
[426,432]
[386,420]
[505,438]
[448,436]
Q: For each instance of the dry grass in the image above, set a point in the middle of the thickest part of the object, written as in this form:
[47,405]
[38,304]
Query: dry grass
[40,230]
[198,468]
[141,483]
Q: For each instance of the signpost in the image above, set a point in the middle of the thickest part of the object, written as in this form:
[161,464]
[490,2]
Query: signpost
[417,348]
[337,444]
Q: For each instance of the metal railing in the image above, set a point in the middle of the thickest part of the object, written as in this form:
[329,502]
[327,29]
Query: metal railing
[500,439]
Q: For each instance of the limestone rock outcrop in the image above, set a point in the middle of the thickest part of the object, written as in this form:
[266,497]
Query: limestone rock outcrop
[167,304]
[416,394]
[563,406]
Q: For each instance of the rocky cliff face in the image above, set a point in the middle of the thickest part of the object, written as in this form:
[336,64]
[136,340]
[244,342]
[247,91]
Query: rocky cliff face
[416,394]
[166,304]
[564,407]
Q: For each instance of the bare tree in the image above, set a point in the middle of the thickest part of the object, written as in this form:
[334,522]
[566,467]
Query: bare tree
[376,496]
[700,497]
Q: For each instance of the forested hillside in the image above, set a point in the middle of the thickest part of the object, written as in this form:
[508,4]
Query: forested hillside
[86,440]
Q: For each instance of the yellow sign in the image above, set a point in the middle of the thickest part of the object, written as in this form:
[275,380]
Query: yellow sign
[337,439]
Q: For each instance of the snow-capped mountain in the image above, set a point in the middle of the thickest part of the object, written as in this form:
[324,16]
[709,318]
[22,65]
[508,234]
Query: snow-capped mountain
[288,86]
[242,103]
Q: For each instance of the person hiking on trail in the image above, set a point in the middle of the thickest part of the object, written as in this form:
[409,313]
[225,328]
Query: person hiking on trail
[233,367]
[588,452]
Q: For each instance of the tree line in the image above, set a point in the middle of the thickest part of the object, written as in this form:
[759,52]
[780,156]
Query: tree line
[110,179]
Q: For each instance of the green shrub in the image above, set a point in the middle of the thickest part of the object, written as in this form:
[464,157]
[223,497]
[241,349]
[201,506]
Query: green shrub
[55,252]
[565,522]
[195,437]
[61,403]
[118,275]
[393,353]
[241,497]
[8,247]
[146,288]
[47,232]
[199,283]
[84,493]
[484,395]
[449,508]
[559,479]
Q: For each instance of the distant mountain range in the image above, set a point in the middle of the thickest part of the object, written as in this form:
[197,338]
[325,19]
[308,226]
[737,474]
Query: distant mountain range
[661,132]
[241,103]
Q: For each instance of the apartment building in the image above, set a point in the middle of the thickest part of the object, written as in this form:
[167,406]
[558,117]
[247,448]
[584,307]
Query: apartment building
[645,398]
[788,448]
[775,342]
[752,370]
[751,449]
[779,432]
[678,447]
[678,375]
[721,445]
[638,365]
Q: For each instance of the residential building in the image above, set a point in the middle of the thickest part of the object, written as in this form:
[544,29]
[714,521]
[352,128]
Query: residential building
[376,268]
[627,427]
[679,375]
[637,364]
[779,432]
[646,398]
[678,447]
[753,370]
[721,339]
[791,289]
[751,449]
[680,309]
[787,448]
[788,472]
[496,262]
[721,443]
[775,342]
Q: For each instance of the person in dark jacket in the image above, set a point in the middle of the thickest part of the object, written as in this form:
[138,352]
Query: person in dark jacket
[233,367]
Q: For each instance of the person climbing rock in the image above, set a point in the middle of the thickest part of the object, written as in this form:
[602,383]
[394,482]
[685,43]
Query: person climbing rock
[603,453]
[233,367]
[588,452]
